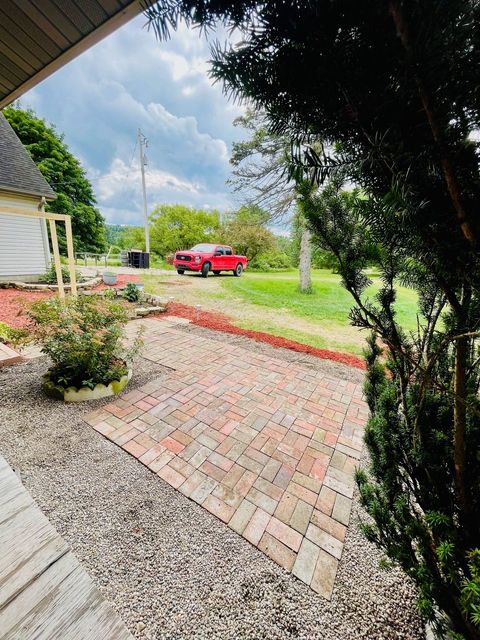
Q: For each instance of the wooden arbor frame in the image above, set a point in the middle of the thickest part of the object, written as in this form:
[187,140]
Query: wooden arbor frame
[52,219]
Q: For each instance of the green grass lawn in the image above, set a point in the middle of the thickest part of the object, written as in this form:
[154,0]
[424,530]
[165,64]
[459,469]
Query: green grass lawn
[328,303]
[271,302]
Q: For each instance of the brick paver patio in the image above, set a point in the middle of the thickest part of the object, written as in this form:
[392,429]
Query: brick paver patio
[267,446]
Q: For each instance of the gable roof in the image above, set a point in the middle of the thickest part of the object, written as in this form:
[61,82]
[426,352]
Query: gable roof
[18,172]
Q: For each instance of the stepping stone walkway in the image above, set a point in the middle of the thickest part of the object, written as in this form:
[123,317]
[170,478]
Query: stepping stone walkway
[267,446]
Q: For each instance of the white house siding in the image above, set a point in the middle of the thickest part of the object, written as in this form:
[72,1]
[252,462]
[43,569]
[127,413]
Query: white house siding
[24,252]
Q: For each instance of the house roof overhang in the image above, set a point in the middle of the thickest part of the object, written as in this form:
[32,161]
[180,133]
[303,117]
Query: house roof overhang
[37,37]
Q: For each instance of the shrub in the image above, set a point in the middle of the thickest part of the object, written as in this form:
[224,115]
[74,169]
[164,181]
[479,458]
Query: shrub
[50,277]
[83,337]
[131,292]
[11,335]
[274,260]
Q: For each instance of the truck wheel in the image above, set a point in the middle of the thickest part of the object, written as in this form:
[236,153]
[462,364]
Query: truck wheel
[238,270]
[205,269]
[180,272]
[216,273]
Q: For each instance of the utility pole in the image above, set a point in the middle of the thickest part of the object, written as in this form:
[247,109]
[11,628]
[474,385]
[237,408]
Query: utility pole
[142,142]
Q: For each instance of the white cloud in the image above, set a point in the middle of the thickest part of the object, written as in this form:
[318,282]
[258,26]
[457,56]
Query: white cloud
[130,80]
[120,180]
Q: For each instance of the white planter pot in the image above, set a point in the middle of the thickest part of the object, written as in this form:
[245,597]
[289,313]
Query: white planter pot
[84,394]
[109,278]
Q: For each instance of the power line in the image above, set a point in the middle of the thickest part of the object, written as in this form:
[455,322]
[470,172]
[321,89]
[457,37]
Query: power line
[131,159]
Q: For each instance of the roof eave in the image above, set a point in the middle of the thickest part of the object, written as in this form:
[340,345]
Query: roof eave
[26,192]
[110,25]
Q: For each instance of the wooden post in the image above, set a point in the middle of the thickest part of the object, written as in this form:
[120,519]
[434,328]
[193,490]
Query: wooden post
[56,257]
[71,255]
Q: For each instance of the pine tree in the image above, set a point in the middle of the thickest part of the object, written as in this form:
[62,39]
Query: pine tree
[422,488]
[390,87]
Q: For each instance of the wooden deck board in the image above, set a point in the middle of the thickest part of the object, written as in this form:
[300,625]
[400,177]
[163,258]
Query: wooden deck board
[8,356]
[44,592]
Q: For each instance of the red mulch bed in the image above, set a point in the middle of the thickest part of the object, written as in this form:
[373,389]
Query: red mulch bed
[121,281]
[12,301]
[221,322]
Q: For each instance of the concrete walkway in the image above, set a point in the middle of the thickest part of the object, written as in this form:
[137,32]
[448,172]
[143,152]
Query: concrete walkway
[267,446]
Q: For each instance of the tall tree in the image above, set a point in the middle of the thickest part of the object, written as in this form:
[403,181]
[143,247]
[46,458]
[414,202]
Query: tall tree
[176,226]
[67,178]
[393,84]
[423,490]
[245,230]
[261,170]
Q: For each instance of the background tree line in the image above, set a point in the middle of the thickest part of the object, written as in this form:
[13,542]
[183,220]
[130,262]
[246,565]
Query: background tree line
[66,176]
[176,226]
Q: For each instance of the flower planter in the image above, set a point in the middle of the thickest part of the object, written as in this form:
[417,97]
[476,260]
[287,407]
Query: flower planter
[109,278]
[84,394]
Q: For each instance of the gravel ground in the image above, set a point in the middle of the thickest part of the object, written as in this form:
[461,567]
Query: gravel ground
[171,569]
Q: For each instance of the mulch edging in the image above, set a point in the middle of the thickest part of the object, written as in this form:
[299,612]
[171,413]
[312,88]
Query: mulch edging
[221,322]
[12,301]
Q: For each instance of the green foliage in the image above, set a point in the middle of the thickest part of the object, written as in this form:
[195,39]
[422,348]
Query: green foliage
[131,292]
[67,178]
[246,232]
[132,238]
[423,486]
[50,276]
[175,226]
[471,588]
[114,233]
[10,335]
[83,338]
[271,261]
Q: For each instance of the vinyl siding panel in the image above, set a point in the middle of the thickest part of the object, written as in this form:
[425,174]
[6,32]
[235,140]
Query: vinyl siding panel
[23,251]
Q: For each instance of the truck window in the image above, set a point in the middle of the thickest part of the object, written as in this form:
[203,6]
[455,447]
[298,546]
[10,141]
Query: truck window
[228,251]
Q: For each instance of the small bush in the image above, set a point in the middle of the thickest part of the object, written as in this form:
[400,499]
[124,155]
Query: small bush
[10,335]
[83,337]
[131,292]
[50,277]
[270,262]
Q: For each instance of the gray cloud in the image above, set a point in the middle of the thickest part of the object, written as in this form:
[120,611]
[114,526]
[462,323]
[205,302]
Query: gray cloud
[130,80]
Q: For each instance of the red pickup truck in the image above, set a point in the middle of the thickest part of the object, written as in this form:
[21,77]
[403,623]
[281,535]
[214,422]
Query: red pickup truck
[209,257]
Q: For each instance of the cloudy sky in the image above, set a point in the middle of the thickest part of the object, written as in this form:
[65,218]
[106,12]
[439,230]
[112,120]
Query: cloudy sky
[131,80]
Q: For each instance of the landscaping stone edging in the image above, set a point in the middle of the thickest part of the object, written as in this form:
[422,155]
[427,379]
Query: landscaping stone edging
[148,304]
[33,286]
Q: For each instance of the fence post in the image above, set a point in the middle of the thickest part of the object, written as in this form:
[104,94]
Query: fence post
[71,256]
[56,258]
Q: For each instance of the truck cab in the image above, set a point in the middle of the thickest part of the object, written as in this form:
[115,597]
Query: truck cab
[205,257]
